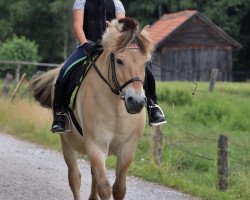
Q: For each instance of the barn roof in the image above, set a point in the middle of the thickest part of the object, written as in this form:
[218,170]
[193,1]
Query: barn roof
[163,29]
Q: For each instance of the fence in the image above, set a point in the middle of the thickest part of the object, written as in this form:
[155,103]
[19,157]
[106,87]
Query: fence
[19,65]
[223,154]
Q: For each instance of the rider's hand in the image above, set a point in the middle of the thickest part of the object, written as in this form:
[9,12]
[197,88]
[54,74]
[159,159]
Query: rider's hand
[88,47]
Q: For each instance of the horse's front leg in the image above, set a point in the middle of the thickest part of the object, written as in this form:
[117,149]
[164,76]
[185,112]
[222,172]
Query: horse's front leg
[94,192]
[124,159]
[74,176]
[97,158]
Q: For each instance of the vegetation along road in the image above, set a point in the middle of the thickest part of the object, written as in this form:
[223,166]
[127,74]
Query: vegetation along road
[29,172]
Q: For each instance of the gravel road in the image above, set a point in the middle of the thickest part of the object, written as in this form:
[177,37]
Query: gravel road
[31,172]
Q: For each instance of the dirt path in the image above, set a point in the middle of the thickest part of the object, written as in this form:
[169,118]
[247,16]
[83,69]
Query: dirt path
[30,172]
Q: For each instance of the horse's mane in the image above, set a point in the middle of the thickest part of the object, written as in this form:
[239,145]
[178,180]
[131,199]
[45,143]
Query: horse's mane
[129,33]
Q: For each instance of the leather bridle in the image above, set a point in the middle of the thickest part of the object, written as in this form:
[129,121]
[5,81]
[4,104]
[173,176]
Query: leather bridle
[117,89]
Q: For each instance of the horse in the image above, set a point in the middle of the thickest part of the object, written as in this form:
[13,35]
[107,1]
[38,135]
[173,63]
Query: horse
[110,108]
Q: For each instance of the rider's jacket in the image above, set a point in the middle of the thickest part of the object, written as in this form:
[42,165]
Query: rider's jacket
[96,13]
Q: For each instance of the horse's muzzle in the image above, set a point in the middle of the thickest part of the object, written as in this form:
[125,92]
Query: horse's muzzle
[134,102]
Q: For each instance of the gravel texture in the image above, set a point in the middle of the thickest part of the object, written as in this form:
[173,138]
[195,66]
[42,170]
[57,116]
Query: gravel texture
[31,172]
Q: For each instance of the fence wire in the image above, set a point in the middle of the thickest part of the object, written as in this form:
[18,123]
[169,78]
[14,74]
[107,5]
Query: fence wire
[181,148]
[191,134]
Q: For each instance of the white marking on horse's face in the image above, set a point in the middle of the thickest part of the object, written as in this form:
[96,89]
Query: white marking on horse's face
[134,100]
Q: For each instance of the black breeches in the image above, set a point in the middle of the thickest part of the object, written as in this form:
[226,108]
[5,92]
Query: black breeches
[149,85]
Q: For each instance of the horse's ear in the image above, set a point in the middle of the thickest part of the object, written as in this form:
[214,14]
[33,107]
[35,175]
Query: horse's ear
[109,25]
[109,36]
[145,31]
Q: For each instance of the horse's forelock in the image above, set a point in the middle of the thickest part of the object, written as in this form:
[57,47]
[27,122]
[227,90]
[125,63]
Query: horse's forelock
[128,37]
[126,31]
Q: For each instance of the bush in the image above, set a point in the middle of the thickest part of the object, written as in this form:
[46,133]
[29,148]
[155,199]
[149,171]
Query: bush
[18,49]
[209,111]
[178,97]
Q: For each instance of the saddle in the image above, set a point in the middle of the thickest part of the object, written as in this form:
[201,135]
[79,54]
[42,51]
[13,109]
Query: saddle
[73,80]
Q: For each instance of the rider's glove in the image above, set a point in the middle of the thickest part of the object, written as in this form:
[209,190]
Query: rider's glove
[88,47]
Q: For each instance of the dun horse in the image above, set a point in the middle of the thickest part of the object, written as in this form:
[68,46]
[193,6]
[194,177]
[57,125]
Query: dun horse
[110,108]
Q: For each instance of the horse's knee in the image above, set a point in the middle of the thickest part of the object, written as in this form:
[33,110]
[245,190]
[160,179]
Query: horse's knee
[119,191]
[104,189]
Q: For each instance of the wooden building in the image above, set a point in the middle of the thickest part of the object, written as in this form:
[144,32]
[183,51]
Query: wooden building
[187,43]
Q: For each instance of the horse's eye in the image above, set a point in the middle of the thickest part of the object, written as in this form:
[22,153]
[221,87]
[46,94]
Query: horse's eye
[119,61]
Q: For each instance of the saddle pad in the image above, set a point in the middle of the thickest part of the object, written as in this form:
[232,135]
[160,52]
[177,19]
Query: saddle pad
[75,75]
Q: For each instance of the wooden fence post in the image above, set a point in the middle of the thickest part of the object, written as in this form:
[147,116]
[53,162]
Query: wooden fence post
[18,69]
[18,86]
[214,75]
[6,85]
[222,162]
[157,138]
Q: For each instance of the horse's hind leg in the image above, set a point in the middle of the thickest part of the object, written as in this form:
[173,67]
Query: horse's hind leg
[74,176]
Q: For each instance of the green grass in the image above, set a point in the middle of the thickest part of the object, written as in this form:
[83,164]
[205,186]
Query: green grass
[191,119]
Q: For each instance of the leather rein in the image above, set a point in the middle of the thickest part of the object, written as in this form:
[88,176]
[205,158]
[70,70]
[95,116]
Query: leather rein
[117,89]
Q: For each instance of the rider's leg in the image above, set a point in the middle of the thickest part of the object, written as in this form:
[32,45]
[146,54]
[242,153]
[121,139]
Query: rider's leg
[155,113]
[75,59]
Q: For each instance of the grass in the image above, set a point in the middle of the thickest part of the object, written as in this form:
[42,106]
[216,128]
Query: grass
[194,125]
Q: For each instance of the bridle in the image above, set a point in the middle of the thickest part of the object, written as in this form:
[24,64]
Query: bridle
[117,89]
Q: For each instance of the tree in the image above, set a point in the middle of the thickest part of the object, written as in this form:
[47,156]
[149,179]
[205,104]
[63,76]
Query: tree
[49,22]
[5,27]
[18,49]
[233,16]
[62,10]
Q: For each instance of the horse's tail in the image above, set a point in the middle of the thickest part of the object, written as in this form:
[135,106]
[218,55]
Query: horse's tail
[41,86]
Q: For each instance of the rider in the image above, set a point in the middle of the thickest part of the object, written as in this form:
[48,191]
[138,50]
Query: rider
[89,23]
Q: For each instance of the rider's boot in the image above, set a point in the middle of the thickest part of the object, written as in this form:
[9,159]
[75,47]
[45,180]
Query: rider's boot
[58,125]
[155,113]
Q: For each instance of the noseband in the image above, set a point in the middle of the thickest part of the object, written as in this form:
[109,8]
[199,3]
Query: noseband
[117,86]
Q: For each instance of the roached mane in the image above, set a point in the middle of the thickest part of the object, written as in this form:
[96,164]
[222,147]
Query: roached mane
[129,32]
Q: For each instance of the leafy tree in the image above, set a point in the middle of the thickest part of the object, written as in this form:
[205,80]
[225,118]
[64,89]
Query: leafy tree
[5,26]
[49,22]
[18,49]
[62,11]
[233,16]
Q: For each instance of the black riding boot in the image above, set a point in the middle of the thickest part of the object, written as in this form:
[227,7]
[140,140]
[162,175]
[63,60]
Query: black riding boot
[155,113]
[58,125]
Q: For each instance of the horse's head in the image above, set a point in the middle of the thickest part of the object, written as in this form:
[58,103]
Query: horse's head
[129,50]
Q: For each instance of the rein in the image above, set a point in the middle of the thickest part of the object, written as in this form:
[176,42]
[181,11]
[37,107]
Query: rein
[118,87]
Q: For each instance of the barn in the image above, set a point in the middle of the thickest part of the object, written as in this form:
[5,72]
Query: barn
[189,45]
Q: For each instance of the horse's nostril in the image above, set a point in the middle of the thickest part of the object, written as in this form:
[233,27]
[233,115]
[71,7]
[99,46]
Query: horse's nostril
[130,99]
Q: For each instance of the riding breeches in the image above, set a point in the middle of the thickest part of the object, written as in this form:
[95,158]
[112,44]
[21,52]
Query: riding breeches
[149,84]
[75,60]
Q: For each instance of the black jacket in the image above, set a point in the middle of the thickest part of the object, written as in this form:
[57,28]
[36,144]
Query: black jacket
[96,13]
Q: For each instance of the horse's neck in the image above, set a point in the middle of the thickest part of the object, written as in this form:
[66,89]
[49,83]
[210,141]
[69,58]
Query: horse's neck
[95,86]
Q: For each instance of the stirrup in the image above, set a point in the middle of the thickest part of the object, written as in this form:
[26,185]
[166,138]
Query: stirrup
[67,121]
[153,124]
[157,124]
[156,106]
